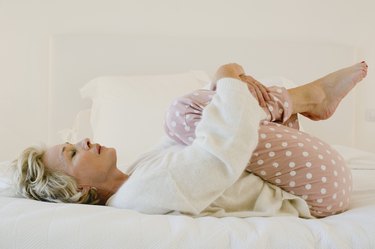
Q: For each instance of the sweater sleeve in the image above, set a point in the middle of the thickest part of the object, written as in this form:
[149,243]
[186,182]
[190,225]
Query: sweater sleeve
[225,138]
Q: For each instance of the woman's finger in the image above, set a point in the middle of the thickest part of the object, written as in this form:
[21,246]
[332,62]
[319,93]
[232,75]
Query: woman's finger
[252,90]
[260,97]
[258,93]
[264,91]
[257,89]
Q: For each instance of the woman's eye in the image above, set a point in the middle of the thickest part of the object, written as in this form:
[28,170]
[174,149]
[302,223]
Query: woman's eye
[73,153]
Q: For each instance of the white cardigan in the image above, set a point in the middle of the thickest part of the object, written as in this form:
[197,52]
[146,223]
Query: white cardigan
[207,177]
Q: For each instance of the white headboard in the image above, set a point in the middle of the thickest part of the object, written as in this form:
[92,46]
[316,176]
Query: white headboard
[76,59]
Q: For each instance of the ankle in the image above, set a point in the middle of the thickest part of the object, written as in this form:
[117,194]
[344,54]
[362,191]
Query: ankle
[315,94]
[304,98]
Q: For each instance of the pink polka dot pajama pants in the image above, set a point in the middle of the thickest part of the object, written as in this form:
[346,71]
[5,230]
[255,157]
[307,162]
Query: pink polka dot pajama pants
[293,160]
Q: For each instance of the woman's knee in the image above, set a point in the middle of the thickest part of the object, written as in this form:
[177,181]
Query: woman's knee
[304,166]
[184,114]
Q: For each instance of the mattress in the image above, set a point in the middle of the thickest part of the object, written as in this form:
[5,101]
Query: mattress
[32,224]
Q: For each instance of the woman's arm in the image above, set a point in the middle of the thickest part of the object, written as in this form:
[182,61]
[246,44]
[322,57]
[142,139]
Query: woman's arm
[225,138]
[189,178]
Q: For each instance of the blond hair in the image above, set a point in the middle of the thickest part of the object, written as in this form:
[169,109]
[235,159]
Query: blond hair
[36,181]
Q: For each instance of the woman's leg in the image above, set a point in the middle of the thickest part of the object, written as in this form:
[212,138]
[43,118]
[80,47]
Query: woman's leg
[300,163]
[297,162]
[184,114]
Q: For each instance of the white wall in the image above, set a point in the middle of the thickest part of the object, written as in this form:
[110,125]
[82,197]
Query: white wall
[26,26]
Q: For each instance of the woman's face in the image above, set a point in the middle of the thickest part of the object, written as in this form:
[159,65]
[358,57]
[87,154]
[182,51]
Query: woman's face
[91,164]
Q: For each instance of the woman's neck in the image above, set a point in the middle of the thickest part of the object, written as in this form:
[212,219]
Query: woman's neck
[105,191]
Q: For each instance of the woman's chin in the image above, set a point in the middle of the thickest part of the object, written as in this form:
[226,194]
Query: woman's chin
[113,153]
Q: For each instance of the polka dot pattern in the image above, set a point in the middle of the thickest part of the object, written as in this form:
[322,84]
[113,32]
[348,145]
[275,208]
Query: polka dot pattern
[184,115]
[293,160]
[306,166]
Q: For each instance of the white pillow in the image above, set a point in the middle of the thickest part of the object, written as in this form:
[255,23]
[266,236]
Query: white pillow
[81,128]
[128,111]
[6,180]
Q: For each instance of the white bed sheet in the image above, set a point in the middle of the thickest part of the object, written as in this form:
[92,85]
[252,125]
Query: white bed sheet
[32,224]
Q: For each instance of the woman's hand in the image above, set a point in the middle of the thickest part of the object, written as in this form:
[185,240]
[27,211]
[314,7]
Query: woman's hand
[259,91]
[232,70]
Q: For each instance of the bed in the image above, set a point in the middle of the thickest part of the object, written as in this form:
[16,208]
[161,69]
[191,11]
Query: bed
[98,73]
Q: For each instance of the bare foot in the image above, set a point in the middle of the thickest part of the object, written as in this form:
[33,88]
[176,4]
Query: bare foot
[328,91]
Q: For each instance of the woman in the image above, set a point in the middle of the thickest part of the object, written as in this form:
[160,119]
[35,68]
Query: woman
[208,177]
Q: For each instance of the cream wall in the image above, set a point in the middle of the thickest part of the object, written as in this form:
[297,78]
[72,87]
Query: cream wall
[27,25]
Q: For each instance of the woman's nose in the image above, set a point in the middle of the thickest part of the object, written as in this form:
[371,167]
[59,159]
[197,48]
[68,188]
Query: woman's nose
[85,143]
